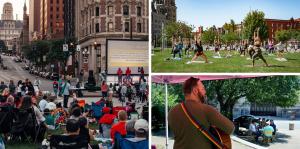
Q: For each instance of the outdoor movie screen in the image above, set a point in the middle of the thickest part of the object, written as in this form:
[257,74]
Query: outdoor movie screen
[127,53]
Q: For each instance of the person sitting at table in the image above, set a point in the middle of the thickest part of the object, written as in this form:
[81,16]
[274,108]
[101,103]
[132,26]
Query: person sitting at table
[268,130]
[253,130]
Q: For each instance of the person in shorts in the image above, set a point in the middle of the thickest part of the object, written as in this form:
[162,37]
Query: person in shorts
[257,50]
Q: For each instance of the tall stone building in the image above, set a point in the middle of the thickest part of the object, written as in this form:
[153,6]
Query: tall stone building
[10,29]
[25,31]
[34,19]
[98,20]
[162,12]
[52,19]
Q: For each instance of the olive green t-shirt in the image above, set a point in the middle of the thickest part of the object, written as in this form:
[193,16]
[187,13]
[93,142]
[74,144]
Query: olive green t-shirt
[186,134]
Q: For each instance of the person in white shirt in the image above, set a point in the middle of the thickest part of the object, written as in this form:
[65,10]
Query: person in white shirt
[51,105]
[43,103]
[37,82]
[253,130]
[66,92]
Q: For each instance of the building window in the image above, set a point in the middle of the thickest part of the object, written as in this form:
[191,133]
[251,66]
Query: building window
[97,11]
[97,26]
[139,27]
[57,1]
[110,27]
[57,8]
[125,10]
[51,9]
[51,1]
[126,26]
[57,16]
[139,11]
[110,10]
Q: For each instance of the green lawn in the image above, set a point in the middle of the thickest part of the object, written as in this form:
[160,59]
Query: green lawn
[236,63]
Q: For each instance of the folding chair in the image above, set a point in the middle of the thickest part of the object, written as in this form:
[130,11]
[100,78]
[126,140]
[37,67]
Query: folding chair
[24,126]
[67,142]
[127,143]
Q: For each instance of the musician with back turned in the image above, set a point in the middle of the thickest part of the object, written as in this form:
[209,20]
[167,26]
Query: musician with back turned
[186,118]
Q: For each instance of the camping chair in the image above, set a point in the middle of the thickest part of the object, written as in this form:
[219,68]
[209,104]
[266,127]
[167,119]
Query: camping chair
[6,119]
[117,141]
[24,125]
[67,142]
[126,143]
[97,110]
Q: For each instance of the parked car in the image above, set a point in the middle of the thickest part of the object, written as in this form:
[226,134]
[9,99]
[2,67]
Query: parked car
[245,120]
[54,76]
[26,67]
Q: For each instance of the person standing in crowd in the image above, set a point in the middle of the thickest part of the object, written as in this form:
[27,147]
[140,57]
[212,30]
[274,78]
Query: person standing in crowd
[37,83]
[185,133]
[143,90]
[272,124]
[55,87]
[30,88]
[142,73]
[2,86]
[19,90]
[65,91]
[110,92]
[12,87]
[253,130]
[81,75]
[128,73]
[104,89]
[120,73]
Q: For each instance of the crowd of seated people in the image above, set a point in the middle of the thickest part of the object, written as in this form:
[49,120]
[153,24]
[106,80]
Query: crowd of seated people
[263,128]
[36,114]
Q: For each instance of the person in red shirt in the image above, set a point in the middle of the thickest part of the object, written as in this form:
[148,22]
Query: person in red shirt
[128,73]
[142,73]
[104,89]
[119,127]
[120,72]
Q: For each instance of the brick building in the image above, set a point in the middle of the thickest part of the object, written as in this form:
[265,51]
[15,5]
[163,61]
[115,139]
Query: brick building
[34,19]
[98,20]
[277,25]
[52,19]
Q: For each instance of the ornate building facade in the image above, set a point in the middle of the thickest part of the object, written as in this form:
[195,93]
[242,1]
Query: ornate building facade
[98,20]
[10,29]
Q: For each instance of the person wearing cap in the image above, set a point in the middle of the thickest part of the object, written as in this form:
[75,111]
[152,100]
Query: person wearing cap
[141,131]
[119,127]
[186,135]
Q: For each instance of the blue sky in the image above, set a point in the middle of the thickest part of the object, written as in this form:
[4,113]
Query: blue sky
[216,12]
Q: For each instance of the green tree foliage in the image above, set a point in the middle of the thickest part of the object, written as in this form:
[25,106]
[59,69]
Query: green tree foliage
[56,53]
[230,37]
[254,20]
[285,35]
[208,36]
[178,29]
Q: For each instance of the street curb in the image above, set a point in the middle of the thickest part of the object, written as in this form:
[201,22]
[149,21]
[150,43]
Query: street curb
[234,138]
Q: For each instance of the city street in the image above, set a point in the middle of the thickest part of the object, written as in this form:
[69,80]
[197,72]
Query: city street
[15,72]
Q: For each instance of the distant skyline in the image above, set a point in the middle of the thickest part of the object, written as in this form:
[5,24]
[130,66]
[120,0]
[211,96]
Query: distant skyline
[17,7]
[216,12]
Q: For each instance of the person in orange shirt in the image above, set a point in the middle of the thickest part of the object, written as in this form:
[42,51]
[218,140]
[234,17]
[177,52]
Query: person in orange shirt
[119,127]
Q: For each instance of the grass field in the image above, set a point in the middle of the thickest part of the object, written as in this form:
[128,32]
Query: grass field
[236,63]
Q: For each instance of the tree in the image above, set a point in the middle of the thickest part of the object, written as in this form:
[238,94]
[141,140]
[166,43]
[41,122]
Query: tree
[254,20]
[279,90]
[230,37]
[283,36]
[232,25]
[178,29]
[56,53]
[208,36]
